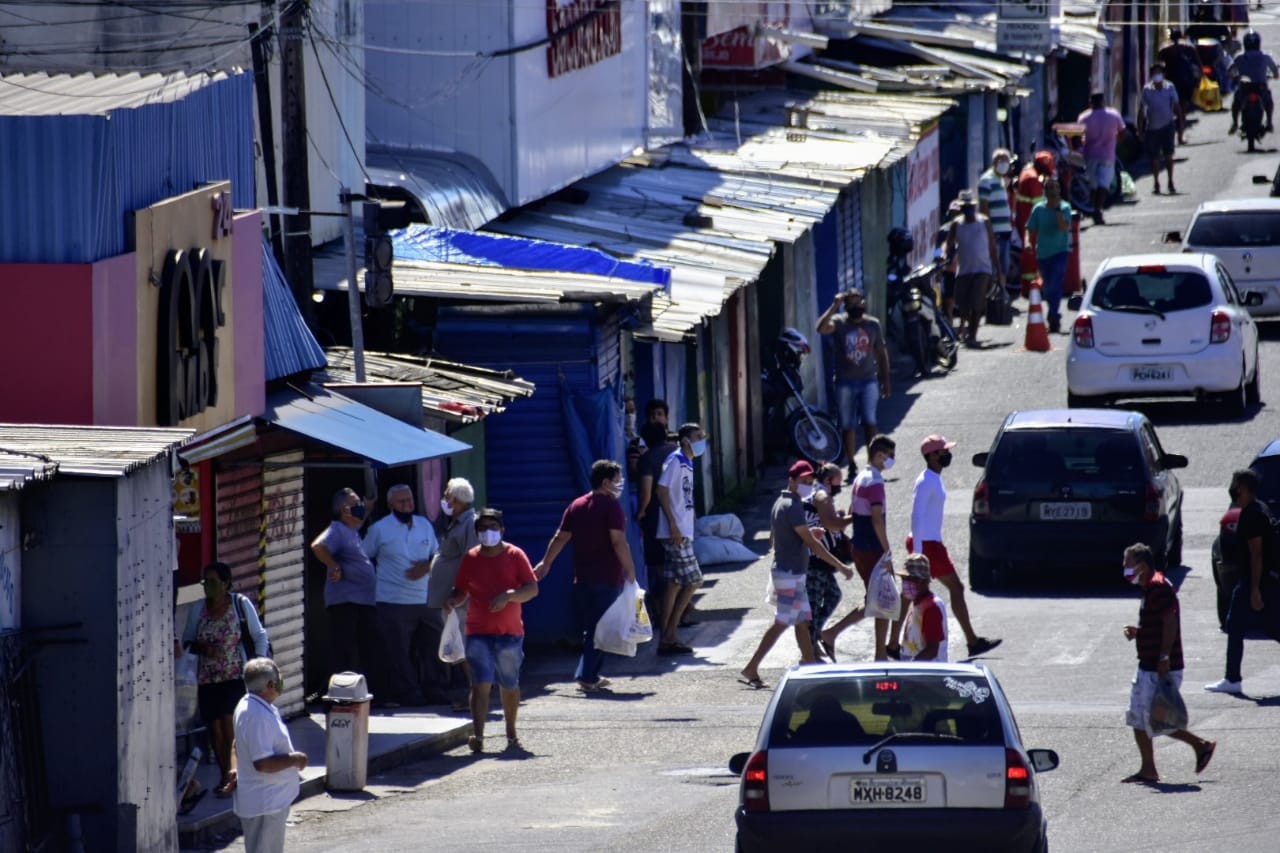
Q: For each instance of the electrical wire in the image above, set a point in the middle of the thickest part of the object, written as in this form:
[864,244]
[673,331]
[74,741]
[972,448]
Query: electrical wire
[337,111]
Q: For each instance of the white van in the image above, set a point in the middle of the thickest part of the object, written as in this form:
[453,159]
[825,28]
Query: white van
[1245,235]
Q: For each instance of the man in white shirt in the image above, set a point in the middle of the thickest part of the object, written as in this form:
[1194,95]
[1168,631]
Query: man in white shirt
[928,502]
[674,490]
[401,545]
[267,765]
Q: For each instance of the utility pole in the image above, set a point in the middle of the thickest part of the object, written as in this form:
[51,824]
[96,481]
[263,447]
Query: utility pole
[261,39]
[353,288]
[297,174]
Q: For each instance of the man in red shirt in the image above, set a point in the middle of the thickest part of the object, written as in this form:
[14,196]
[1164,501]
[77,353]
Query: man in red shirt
[1159,641]
[497,579]
[596,525]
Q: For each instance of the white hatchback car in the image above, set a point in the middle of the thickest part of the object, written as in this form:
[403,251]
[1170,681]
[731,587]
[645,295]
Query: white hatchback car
[1245,235]
[1167,325]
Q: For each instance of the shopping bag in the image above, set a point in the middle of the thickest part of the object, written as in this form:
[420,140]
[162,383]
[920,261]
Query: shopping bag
[1207,96]
[1128,188]
[883,598]
[453,645]
[1168,712]
[613,631]
[770,594]
[641,628]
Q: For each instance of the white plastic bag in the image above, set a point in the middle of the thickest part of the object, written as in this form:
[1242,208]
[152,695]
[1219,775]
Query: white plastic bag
[613,631]
[453,645]
[641,630]
[883,598]
[770,593]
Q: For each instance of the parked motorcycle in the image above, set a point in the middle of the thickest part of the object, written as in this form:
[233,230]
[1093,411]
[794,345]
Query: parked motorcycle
[790,421]
[915,323]
[1253,118]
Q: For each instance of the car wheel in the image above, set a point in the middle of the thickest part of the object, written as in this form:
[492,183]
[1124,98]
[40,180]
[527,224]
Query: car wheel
[1253,391]
[1082,401]
[982,573]
[1236,402]
[1173,557]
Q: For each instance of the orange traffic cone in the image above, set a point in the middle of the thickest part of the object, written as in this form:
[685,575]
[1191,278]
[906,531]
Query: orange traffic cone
[1037,331]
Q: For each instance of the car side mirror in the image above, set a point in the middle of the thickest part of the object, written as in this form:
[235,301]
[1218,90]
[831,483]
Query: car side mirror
[1174,460]
[1043,759]
[1252,298]
[1262,179]
[1173,236]
[1074,301]
[738,762]
[980,459]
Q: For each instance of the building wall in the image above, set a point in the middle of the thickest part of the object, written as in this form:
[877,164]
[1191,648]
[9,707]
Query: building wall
[115,338]
[56,387]
[10,564]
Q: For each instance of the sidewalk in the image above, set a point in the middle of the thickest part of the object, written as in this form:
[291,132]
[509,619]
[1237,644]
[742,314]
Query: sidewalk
[394,739]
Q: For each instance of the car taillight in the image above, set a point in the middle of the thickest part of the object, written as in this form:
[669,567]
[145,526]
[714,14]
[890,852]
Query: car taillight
[981,500]
[1151,503]
[1017,781]
[1219,327]
[1253,98]
[1083,332]
[755,783]
[1206,70]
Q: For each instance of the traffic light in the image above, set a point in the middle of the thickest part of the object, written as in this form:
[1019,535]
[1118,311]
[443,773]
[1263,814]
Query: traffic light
[378,257]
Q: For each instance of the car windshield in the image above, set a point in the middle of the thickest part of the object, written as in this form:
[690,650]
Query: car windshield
[1268,469]
[1156,291]
[1239,229]
[860,710]
[1078,454]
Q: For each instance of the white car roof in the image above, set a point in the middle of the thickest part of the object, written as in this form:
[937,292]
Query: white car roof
[884,668]
[1232,204]
[1202,261]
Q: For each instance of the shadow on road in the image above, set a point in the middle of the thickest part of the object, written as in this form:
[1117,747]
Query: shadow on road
[1065,584]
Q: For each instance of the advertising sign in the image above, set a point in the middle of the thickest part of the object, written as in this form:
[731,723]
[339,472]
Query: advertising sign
[589,31]
[923,192]
[1022,26]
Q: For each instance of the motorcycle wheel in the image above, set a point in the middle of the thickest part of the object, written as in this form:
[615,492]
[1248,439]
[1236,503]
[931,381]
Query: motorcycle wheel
[818,442]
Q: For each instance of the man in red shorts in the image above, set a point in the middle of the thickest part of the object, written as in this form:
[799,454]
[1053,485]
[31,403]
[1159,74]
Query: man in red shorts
[928,501]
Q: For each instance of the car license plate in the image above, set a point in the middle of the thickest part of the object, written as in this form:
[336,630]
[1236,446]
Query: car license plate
[1074,511]
[1151,373]
[888,791]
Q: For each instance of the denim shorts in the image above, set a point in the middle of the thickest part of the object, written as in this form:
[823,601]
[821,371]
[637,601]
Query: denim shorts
[857,400]
[495,657]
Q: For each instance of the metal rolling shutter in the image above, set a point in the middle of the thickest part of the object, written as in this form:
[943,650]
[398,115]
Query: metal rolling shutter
[282,501]
[849,225]
[239,501]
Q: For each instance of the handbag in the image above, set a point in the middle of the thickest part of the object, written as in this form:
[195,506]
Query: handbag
[999,308]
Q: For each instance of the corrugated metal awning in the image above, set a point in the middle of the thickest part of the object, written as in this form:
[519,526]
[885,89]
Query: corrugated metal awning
[91,451]
[288,344]
[452,190]
[459,393]
[341,422]
[21,469]
[43,94]
[232,435]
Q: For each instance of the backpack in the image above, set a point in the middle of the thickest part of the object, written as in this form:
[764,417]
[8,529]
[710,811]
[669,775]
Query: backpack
[246,641]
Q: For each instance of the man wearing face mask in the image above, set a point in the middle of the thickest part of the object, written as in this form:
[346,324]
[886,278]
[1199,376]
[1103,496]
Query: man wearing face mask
[1158,112]
[973,241]
[1049,238]
[924,629]
[350,590]
[457,537]
[596,525]
[993,203]
[862,366]
[681,571]
[793,541]
[820,582]
[1158,637]
[928,505]
[401,545]
[1256,591]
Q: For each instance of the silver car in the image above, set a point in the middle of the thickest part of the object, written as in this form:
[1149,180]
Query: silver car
[912,755]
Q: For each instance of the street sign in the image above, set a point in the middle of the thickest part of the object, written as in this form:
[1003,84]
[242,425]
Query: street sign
[1023,26]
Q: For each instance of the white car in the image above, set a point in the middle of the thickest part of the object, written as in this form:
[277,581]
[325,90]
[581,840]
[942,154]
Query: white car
[1245,235]
[1166,325]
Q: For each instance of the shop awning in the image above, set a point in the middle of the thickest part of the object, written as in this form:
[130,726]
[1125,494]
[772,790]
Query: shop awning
[233,435]
[340,422]
[22,469]
[288,345]
[452,190]
[90,451]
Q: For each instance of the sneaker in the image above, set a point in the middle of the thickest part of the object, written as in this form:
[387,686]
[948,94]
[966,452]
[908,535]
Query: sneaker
[1224,686]
[982,645]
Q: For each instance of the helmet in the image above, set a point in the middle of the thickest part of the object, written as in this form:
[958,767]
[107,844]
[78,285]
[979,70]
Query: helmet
[791,339]
[1252,41]
[1175,33]
[901,242]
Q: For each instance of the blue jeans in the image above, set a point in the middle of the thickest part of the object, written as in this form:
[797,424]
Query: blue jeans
[495,658]
[591,600]
[1053,272]
[857,399]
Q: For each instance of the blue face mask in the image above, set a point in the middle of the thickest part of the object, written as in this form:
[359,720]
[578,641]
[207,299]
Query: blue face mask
[699,447]
[357,511]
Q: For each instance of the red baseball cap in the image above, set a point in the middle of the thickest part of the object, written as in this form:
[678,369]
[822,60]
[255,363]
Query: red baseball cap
[934,443]
[800,469]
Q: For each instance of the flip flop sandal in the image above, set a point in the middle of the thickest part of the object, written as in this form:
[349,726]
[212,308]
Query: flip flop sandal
[754,683]
[1205,756]
[1138,778]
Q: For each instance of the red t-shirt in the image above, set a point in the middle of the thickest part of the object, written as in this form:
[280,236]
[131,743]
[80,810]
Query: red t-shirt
[484,579]
[588,520]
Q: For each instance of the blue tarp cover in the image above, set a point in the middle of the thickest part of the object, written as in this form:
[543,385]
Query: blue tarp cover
[448,245]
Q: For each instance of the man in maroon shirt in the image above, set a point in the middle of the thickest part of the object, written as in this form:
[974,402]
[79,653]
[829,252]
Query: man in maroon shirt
[1159,641]
[597,525]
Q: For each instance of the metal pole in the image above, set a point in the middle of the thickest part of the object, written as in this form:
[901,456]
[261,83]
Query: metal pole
[353,289]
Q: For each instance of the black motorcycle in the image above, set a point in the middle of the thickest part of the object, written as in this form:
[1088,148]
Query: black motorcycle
[1253,116]
[914,321]
[790,421]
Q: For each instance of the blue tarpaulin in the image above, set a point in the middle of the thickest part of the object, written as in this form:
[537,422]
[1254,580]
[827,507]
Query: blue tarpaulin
[448,245]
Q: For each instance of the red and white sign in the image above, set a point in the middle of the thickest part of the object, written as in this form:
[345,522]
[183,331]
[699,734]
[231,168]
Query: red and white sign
[732,40]
[590,30]
[923,192]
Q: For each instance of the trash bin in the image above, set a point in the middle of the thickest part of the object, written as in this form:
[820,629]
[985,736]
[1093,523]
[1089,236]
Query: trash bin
[346,732]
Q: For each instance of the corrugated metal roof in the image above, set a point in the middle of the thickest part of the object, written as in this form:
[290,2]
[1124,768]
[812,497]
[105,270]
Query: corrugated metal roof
[453,190]
[460,393]
[92,451]
[20,469]
[94,148]
[288,344]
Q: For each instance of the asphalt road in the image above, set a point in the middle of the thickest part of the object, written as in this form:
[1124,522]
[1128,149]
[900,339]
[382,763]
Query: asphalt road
[643,769]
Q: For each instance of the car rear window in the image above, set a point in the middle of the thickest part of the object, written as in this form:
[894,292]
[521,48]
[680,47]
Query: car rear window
[1076,454]
[1160,291]
[1235,229]
[856,710]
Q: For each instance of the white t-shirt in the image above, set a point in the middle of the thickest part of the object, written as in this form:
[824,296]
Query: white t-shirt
[261,733]
[928,501]
[677,477]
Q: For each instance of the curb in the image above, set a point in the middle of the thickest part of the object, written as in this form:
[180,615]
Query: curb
[208,830]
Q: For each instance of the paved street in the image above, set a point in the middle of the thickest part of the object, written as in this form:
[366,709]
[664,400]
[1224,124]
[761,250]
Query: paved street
[642,769]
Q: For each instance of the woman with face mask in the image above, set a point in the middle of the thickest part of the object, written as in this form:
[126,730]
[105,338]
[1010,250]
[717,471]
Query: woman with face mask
[225,631]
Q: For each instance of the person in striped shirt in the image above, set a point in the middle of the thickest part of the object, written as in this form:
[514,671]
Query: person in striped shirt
[993,203]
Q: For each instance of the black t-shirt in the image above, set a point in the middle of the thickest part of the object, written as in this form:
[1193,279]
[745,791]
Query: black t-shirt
[1255,522]
[650,465]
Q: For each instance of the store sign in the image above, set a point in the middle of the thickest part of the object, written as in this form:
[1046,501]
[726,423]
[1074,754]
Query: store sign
[582,33]
[186,493]
[190,315]
[923,195]
[1022,26]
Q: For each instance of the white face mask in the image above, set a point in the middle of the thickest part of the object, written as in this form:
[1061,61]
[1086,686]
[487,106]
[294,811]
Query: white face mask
[490,538]
[1157,78]
[1002,167]
[805,491]
[615,488]
[888,462]
[699,447]
[446,506]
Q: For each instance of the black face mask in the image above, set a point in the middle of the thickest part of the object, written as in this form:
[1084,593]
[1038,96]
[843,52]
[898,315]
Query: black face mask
[944,458]
[1234,494]
[835,490]
[402,517]
[857,313]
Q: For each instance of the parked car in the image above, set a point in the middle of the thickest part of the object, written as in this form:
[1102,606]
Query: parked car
[1070,489]
[1225,571]
[1245,235]
[890,756]
[1164,326]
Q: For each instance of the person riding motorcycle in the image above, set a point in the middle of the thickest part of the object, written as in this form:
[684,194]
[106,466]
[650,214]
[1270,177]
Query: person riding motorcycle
[1255,65]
